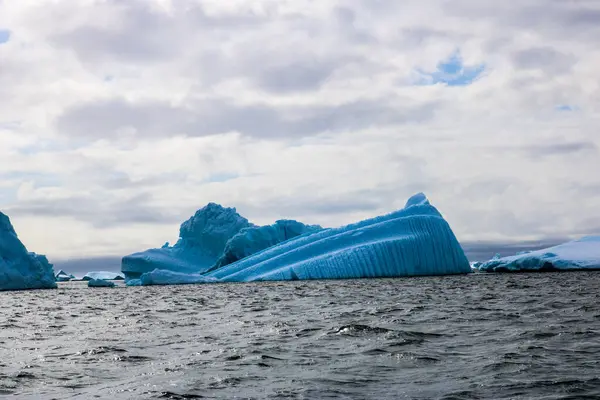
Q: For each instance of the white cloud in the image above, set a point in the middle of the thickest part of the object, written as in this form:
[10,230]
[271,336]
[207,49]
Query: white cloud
[120,119]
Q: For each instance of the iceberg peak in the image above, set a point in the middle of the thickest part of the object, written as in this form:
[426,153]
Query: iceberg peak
[418,199]
[211,227]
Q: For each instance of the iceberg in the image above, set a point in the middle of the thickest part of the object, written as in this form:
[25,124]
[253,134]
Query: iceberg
[62,276]
[253,239]
[582,254]
[20,269]
[100,283]
[103,275]
[213,237]
[413,241]
[202,239]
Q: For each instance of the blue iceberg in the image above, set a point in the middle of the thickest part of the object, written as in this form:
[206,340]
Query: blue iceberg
[582,254]
[100,283]
[413,241]
[62,276]
[103,275]
[253,239]
[20,269]
[213,237]
[202,239]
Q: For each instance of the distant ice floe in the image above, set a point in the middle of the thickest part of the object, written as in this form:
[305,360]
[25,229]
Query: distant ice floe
[103,275]
[582,254]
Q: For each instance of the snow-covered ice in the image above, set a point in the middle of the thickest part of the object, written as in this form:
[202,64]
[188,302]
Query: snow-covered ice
[20,269]
[104,275]
[415,240]
[578,254]
[100,283]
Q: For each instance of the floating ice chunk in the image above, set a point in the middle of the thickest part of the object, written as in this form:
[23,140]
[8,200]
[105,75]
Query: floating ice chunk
[103,275]
[20,269]
[202,239]
[578,254]
[164,277]
[100,283]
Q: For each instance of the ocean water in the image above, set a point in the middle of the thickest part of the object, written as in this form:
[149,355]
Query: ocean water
[520,336]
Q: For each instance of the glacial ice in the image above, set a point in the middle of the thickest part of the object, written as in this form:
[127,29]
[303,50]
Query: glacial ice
[165,277]
[575,255]
[415,240]
[202,239]
[20,269]
[62,276]
[213,237]
[103,275]
[100,283]
[253,239]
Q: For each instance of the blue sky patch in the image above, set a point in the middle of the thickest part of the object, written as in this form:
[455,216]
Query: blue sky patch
[4,35]
[565,107]
[452,72]
[222,177]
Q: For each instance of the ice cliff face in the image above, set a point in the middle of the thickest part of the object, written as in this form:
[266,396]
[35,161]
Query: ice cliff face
[20,269]
[253,239]
[415,240]
[214,236]
[576,255]
[202,239]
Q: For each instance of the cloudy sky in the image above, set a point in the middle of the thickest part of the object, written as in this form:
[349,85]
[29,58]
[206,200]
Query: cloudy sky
[120,118]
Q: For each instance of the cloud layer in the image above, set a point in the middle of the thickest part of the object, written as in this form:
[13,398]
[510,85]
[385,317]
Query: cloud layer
[120,119]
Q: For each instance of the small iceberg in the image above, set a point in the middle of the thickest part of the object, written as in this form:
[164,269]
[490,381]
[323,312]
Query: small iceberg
[582,254]
[62,276]
[103,275]
[413,241]
[20,269]
[100,283]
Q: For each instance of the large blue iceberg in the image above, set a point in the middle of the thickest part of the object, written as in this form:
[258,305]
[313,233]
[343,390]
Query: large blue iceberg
[20,269]
[213,237]
[582,254]
[413,241]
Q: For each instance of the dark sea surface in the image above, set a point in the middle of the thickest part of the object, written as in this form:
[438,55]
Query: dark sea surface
[492,336]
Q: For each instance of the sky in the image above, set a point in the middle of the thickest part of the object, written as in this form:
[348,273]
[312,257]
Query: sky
[119,119]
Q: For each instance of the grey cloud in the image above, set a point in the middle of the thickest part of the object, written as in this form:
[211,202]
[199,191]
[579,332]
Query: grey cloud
[294,77]
[557,19]
[544,58]
[101,213]
[151,119]
[141,33]
[560,148]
